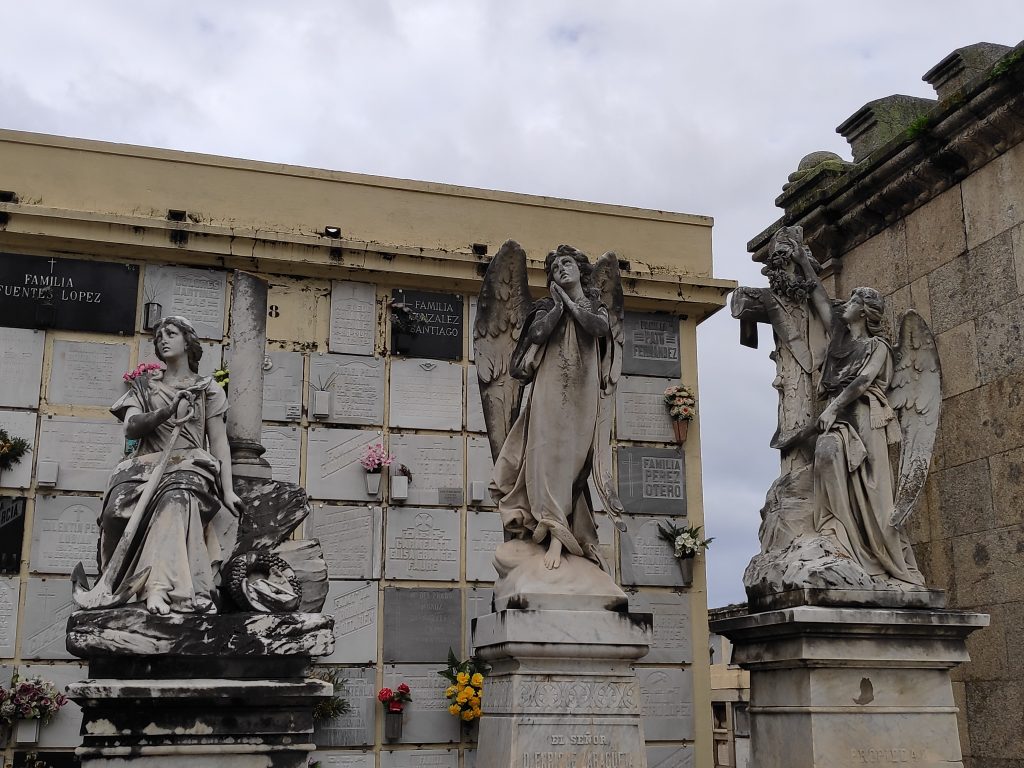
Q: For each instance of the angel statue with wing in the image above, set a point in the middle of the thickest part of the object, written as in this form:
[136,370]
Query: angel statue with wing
[567,346]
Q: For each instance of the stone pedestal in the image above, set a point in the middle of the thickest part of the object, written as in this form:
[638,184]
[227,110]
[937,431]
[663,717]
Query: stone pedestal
[562,692]
[851,686]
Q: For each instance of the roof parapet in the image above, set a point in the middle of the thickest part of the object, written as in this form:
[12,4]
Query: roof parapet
[962,66]
[878,122]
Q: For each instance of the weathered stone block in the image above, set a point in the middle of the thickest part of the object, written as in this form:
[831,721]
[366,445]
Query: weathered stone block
[935,233]
[1017,241]
[958,355]
[991,702]
[981,573]
[965,498]
[992,196]
[988,649]
[984,421]
[1007,471]
[880,262]
[973,283]
[1000,340]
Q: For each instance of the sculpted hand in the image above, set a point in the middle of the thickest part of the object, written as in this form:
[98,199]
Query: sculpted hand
[558,295]
[827,419]
[233,502]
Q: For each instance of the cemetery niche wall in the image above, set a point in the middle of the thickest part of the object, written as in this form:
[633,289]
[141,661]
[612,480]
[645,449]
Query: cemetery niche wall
[406,576]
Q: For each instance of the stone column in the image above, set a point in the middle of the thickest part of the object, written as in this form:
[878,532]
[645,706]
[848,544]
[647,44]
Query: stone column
[248,334]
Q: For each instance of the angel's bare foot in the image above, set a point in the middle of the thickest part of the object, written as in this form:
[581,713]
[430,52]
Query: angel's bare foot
[553,557]
[158,603]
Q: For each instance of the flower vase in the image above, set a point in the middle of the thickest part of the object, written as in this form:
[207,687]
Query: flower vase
[392,726]
[26,731]
[373,484]
[399,488]
[686,568]
[679,428]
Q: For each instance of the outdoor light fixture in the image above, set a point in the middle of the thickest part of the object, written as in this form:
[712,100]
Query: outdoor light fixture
[480,249]
[332,231]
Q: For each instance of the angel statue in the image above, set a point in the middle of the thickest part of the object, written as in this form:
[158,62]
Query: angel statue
[568,347]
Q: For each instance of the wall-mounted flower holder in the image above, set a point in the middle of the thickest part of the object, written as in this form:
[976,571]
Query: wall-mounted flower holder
[393,725]
[680,429]
[399,487]
[321,404]
[152,313]
[26,731]
[373,484]
[686,569]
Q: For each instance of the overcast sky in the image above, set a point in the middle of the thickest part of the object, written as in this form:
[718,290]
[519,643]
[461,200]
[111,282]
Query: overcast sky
[699,107]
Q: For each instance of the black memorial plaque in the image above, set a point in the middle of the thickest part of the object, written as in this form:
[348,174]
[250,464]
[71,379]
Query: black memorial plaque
[70,294]
[651,344]
[427,324]
[12,529]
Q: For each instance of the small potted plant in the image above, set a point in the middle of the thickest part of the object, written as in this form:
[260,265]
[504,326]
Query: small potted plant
[29,703]
[12,450]
[400,483]
[465,691]
[682,407]
[374,459]
[394,703]
[686,545]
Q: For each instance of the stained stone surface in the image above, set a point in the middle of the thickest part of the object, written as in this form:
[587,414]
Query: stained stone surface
[670,756]
[353,317]
[19,424]
[354,607]
[427,720]
[437,467]
[87,372]
[85,450]
[652,481]
[356,384]
[671,639]
[356,727]
[62,730]
[640,412]
[10,593]
[666,696]
[21,349]
[282,386]
[480,469]
[198,294]
[645,559]
[332,463]
[333,758]
[64,533]
[651,345]
[282,446]
[474,405]
[478,603]
[483,535]
[212,359]
[420,758]
[351,539]
[435,613]
[426,394]
[422,544]
[48,605]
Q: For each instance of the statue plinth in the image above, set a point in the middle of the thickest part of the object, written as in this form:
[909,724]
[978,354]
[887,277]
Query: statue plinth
[851,686]
[562,690]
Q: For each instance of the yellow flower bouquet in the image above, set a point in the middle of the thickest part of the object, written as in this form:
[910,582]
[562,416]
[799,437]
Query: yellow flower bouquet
[466,687]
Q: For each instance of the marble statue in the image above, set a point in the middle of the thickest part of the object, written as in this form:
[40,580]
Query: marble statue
[834,519]
[567,347]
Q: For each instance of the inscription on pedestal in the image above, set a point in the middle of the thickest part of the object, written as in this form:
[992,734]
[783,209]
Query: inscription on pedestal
[651,344]
[10,592]
[87,373]
[19,424]
[355,384]
[667,703]
[330,758]
[354,607]
[333,470]
[420,758]
[282,444]
[422,544]
[652,481]
[420,625]
[64,533]
[282,386]
[426,394]
[483,535]
[647,559]
[427,718]
[640,412]
[21,350]
[670,643]
[430,326]
[568,743]
[356,727]
[436,465]
[351,539]
[48,605]
[197,294]
[12,530]
[86,451]
[353,317]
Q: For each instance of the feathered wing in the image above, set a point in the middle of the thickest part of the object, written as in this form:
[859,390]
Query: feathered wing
[607,281]
[915,395]
[501,309]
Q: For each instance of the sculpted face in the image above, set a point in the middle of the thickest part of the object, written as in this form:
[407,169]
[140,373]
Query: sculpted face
[853,309]
[565,271]
[170,342]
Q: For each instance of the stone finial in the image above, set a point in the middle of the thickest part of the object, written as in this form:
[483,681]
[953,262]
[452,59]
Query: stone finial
[878,122]
[961,66]
[814,171]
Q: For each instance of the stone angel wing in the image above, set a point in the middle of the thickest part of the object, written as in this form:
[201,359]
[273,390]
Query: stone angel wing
[915,395]
[501,309]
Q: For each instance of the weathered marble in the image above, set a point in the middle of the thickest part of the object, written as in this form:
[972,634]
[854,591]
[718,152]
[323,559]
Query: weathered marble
[10,593]
[84,450]
[353,317]
[21,349]
[356,727]
[63,729]
[353,604]
[64,533]
[87,372]
[426,394]
[354,385]
[351,539]
[48,605]
[20,424]
[426,718]
[435,613]
[422,544]
[198,294]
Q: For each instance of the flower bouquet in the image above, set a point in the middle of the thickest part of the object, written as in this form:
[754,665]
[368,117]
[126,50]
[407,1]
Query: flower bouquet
[686,544]
[394,703]
[139,377]
[29,703]
[373,460]
[12,449]
[466,690]
[682,407]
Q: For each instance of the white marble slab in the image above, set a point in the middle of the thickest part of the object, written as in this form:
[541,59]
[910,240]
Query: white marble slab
[436,463]
[422,544]
[349,758]
[199,295]
[333,471]
[63,728]
[87,373]
[420,758]
[282,451]
[354,607]
[353,317]
[85,450]
[666,696]
[21,350]
[48,605]
[65,533]
[427,720]
[474,405]
[350,538]
[480,468]
[356,727]
[420,625]
[670,756]
[645,559]
[355,384]
[426,394]
[282,386]
[478,603]
[19,424]
[640,411]
[10,594]
[671,642]
[483,535]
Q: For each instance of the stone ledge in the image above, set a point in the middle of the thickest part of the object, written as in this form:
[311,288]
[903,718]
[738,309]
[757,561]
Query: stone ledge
[589,634]
[851,598]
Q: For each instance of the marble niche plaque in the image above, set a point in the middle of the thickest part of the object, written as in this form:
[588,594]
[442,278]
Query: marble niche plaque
[645,559]
[355,384]
[333,471]
[479,602]
[422,544]
[651,344]
[427,720]
[437,468]
[63,728]
[652,481]
[48,605]
[669,756]
[483,535]
[350,537]
[420,758]
[480,469]
[356,727]
[348,758]
[87,373]
[474,407]
[282,451]
[671,643]
[666,696]
[19,424]
[426,394]
[10,594]
[198,294]
[354,607]
[12,531]
[353,317]
[282,386]
[85,450]
[420,625]
[435,325]
[64,533]
[211,360]
[21,350]
[640,411]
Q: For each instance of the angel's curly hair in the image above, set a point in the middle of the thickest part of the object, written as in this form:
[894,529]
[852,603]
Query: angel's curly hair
[874,309]
[586,268]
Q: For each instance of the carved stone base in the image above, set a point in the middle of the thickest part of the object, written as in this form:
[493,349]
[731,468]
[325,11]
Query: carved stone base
[851,686]
[562,691]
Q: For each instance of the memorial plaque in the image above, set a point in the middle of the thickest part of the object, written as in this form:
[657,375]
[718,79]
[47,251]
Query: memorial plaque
[282,444]
[422,544]
[645,558]
[351,539]
[671,643]
[333,470]
[420,625]
[19,424]
[651,344]
[88,373]
[355,384]
[282,386]
[196,294]
[420,758]
[21,350]
[85,450]
[666,697]
[437,468]
[479,602]
[211,360]
[356,727]
[652,481]
[63,728]
[65,533]
[427,719]
[474,406]
[354,607]
[48,605]
[353,317]
[483,535]
[670,756]
[433,327]
[610,742]
[426,394]
[640,411]
[478,457]
[333,758]
[69,294]
[10,593]
[12,531]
